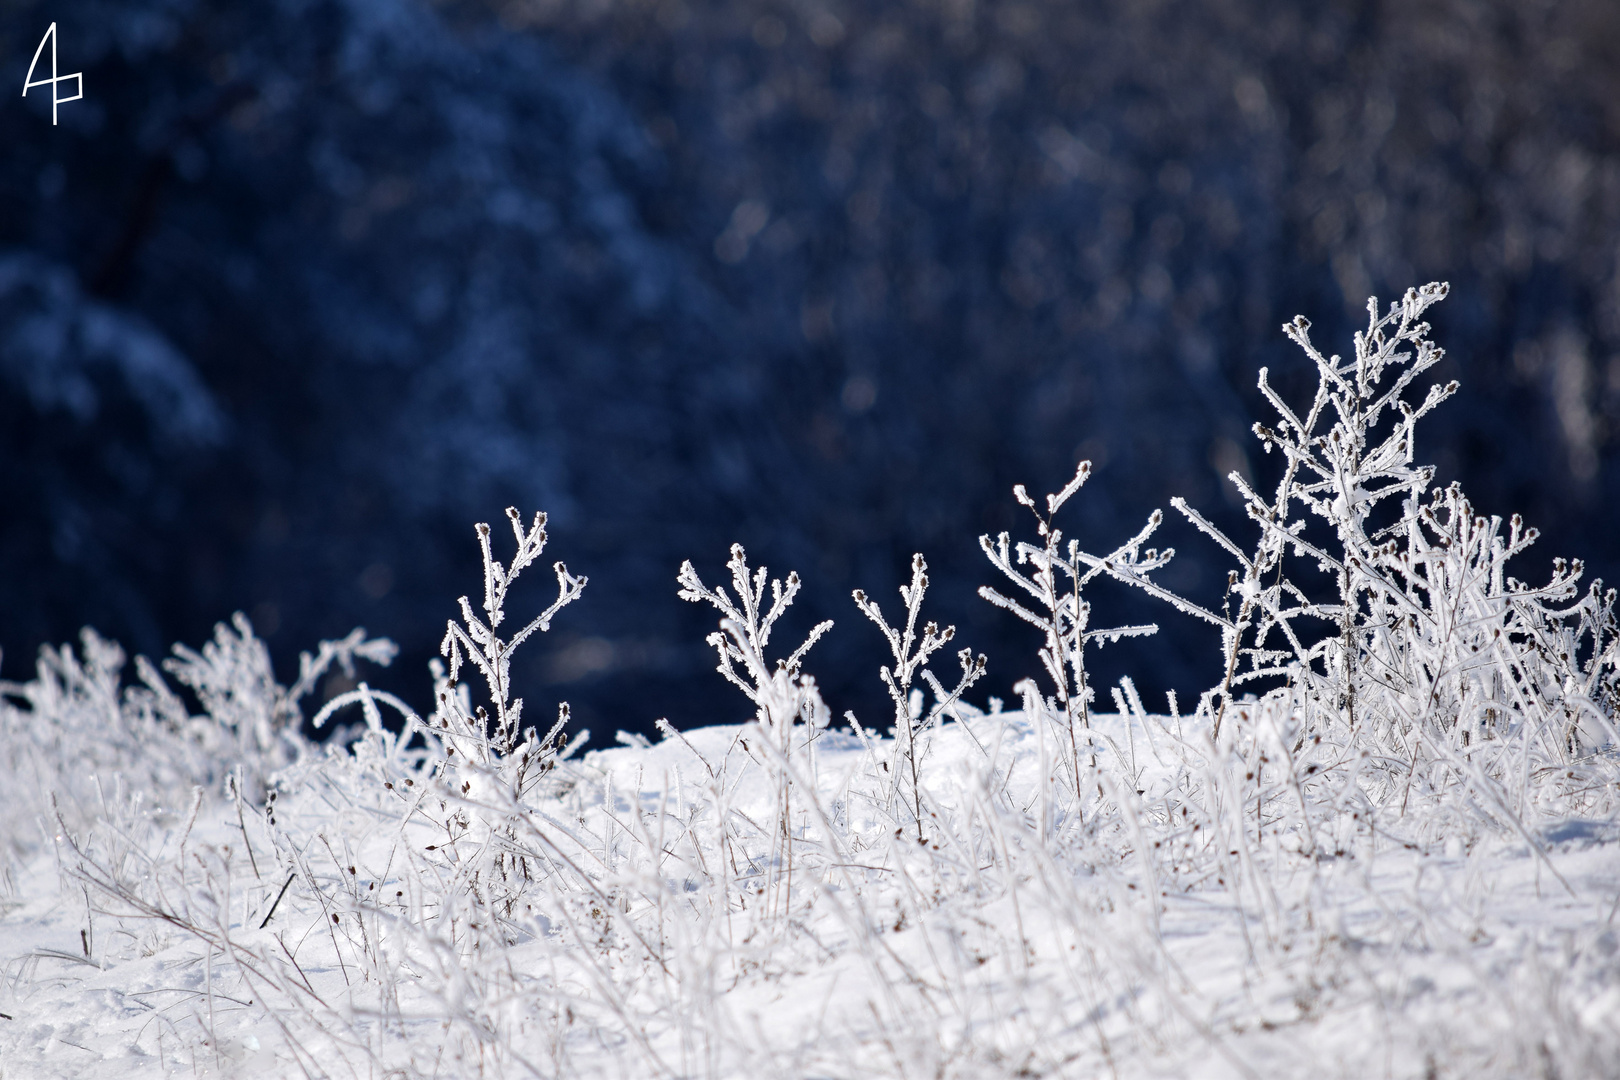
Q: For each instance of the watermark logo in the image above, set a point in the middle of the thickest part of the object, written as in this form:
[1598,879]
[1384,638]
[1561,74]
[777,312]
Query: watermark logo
[29,82]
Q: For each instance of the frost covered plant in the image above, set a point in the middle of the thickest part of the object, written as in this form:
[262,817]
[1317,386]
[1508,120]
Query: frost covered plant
[1437,667]
[459,738]
[460,872]
[77,720]
[233,680]
[1341,475]
[1054,581]
[789,710]
[1470,675]
[477,767]
[1360,461]
[472,735]
[780,693]
[911,654]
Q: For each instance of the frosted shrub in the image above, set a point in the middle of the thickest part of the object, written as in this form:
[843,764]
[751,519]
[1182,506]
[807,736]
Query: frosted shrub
[466,771]
[499,741]
[781,695]
[76,724]
[254,720]
[1431,674]
[482,761]
[789,711]
[1055,581]
[497,745]
[911,653]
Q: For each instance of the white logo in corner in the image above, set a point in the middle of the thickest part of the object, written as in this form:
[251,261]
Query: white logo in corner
[29,82]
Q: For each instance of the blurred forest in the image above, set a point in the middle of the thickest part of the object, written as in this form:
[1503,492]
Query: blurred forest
[303,288]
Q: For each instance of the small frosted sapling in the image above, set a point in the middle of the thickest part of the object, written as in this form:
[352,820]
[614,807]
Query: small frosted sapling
[779,692]
[473,737]
[911,654]
[782,695]
[1056,577]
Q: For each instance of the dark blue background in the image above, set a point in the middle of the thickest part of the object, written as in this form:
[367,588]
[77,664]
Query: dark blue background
[303,288]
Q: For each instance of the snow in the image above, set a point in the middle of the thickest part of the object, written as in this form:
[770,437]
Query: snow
[1016,941]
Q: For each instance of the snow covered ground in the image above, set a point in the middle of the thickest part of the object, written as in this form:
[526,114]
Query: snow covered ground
[656,939]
